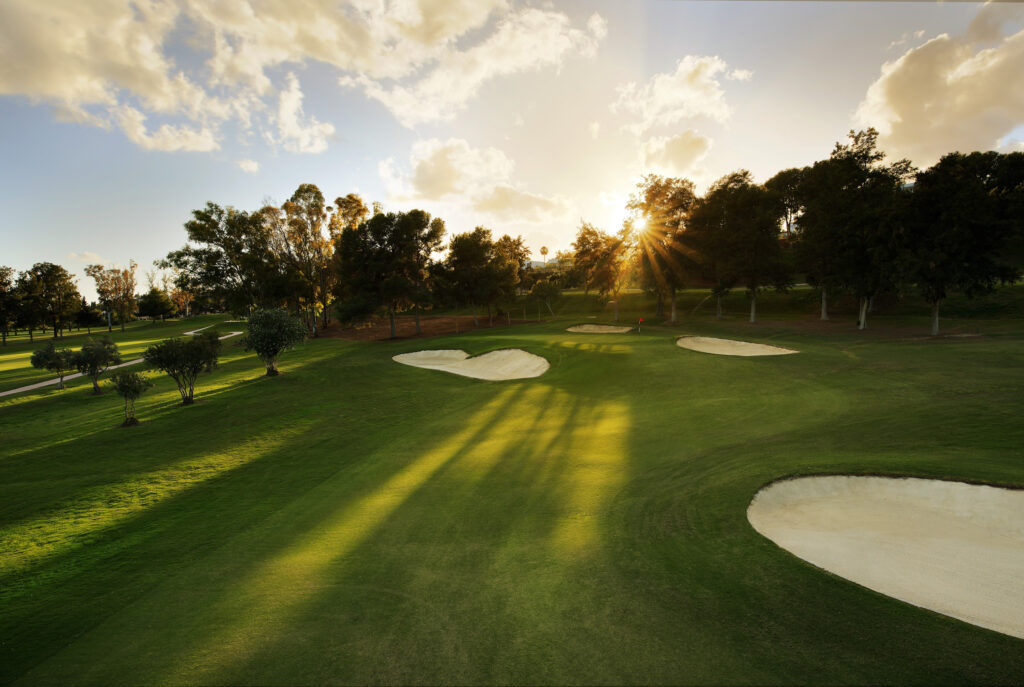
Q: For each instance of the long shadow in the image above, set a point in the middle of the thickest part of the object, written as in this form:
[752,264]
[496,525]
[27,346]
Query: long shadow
[256,521]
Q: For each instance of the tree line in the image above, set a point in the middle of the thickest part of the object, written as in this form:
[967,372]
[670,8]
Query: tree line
[852,223]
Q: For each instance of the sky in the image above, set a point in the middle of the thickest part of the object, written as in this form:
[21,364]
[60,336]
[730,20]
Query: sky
[117,119]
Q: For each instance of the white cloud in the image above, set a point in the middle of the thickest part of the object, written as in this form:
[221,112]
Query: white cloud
[167,138]
[740,75]
[248,166]
[294,134]
[524,40]
[952,92]
[112,64]
[692,90]
[87,256]
[479,178]
[595,129]
[675,155]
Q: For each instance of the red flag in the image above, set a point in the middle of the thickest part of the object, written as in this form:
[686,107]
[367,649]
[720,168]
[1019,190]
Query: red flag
[641,319]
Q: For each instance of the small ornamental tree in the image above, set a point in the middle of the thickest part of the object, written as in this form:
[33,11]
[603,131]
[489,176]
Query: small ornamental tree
[545,291]
[184,359]
[271,332]
[129,385]
[57,360]
[95,357]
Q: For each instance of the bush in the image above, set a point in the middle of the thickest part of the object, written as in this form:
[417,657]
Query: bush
[130,386]
[271,332]
[94,358]
[184,359]
[57,360]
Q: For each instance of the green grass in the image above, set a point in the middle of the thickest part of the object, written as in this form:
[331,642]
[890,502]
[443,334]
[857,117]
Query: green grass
[15,358]
[359,521]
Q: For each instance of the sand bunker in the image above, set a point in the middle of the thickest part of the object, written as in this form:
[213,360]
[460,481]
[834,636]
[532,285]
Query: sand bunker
[706,344]
[950,547]
[599,329]
[510,363]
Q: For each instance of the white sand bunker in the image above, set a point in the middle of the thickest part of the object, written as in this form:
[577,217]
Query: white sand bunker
[706,344]
[510,363]
[950,547]
[599,329]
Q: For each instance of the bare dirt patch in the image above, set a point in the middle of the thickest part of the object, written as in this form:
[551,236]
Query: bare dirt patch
[950,547]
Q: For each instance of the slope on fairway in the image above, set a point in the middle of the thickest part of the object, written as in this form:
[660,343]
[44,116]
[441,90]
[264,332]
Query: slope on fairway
[706,344]
[950,547]
[510,363]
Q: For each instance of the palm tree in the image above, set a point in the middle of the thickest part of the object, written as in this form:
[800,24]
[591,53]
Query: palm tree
[544,254]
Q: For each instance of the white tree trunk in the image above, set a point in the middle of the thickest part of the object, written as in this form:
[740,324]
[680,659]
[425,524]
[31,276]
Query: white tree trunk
[935,318]
[824,303]
[753,307]
[862,323]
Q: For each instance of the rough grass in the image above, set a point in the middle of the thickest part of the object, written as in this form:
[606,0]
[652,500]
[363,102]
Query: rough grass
[358,521]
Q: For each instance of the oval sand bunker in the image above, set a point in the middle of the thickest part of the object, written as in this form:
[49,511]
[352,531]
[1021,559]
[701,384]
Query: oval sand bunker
[950,547]
[510,363]
[706,344]
[598,329]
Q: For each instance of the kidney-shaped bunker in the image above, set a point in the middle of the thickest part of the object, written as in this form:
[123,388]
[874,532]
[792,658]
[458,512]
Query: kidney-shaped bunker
[950,547]
[509,363]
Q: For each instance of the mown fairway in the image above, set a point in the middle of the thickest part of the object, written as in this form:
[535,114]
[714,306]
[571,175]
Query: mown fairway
[356,520]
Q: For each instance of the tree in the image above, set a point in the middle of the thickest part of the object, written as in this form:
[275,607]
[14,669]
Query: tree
[60,361]
[94,358]
[468,271]
[663,203]
[383,264]
[89,315]
[155,303]
[272,332]
[957,236]
[31,309]
[785,189]
[545,291]
[307,250]
[586,253]
[54,295]
[8,301]
[611,265]
[750,217]
[709,235]
[544,254]
[852,220]
[184,359]
[129,385]
[116,288]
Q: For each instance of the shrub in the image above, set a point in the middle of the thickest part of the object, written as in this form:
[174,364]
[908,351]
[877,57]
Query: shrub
[130,386]
[95,357]
[184,359]
[57,360]
[271,332]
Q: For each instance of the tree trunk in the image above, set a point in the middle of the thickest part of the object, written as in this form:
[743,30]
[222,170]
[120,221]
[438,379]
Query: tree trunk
[753,307]
[862,322]
[935,318]
[476,322]
[718,307]
[824,303]
[95,386]
[272,368]
[674,316]
[391,321]
[60,382]
[616,310]
[548,303]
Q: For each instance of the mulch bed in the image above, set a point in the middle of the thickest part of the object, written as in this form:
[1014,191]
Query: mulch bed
[378,328]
